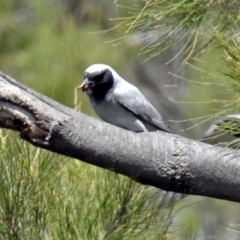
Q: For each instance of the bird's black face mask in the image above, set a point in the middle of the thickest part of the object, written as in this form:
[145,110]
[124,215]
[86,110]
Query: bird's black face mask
[98,82]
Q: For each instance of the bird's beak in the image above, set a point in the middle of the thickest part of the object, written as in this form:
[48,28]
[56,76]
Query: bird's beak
[84,86]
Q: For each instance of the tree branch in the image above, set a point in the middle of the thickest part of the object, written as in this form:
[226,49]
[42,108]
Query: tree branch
[159,159]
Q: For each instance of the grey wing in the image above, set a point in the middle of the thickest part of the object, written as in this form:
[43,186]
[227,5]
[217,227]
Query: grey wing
[134,101]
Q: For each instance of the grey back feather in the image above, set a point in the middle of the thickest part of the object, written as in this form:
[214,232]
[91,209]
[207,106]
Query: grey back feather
[135,102]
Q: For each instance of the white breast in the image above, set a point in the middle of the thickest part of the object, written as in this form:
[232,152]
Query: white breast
[112,112]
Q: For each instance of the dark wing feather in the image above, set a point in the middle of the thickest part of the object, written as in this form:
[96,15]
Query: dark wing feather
[134,101]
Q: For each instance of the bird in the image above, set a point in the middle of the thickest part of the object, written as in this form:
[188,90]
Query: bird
[118,102]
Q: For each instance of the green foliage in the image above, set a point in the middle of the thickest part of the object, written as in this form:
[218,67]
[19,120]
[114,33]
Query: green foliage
[46,196]
[26,182]
[192,24]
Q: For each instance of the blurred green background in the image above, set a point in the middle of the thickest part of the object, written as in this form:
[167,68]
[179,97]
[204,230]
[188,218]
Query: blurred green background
[47,45]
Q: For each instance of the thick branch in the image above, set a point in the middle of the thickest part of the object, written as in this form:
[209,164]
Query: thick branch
[159,159]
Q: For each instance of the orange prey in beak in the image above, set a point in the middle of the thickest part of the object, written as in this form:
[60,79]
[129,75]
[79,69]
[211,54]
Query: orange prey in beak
[84,86]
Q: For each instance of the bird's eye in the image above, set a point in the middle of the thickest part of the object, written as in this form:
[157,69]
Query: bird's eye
[108,76]
[103,72]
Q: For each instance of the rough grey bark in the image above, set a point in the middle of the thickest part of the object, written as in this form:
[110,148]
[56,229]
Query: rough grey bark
[159,159]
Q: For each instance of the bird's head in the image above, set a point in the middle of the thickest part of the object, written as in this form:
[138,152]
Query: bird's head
[98,78]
